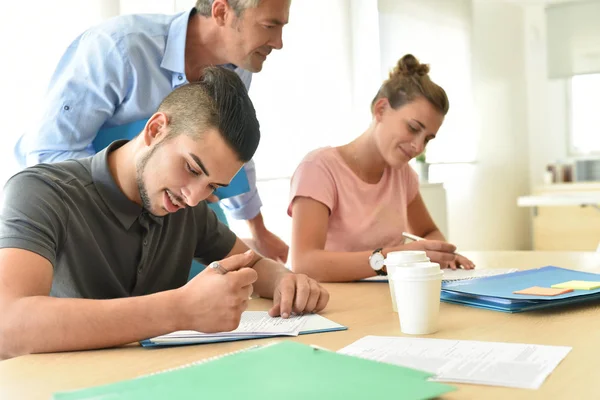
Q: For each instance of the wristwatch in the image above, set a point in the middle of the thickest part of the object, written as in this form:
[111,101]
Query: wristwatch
[376,261]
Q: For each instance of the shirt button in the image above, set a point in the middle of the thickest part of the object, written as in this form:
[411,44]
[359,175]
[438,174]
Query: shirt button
[66,108]
[180,77]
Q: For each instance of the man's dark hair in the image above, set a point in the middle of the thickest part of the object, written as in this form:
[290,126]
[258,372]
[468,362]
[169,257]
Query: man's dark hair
[219,100]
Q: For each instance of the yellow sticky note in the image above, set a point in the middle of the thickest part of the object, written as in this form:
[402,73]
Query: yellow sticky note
[578,285]
[542,291]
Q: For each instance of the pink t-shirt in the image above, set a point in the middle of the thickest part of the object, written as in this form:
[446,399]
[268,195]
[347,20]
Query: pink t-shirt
[363,216]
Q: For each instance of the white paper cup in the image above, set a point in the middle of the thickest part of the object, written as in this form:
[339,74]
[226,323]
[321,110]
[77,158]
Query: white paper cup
[401,259]
[417,291]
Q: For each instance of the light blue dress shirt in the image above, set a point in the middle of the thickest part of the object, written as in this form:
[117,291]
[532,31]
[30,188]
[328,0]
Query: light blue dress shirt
[113,74]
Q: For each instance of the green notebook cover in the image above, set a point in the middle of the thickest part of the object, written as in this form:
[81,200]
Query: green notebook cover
[286,370]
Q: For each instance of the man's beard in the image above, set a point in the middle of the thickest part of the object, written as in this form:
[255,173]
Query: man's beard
[140,168]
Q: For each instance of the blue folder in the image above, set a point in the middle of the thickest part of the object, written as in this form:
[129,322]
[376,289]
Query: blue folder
[496,292]
[239,184]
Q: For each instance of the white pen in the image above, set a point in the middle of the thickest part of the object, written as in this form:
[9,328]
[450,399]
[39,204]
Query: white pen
[412,237]
[417,238]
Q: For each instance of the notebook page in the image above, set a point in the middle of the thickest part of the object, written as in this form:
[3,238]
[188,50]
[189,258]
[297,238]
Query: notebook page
[252,323]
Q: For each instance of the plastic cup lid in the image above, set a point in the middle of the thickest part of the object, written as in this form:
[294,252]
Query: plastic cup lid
[405,257]
[419,270]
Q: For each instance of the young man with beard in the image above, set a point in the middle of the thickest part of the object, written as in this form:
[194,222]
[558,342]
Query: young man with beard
[95,252]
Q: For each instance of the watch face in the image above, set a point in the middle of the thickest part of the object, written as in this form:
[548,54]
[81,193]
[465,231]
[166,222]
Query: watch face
[376,260]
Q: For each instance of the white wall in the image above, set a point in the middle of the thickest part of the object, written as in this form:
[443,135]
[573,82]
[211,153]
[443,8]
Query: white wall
[438,33]
[147,6]
[303,96]
[366,59]
[547,102]
[34,36]
[501,174]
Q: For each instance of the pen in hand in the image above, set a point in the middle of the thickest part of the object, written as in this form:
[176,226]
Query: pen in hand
[418,238]
[412,237]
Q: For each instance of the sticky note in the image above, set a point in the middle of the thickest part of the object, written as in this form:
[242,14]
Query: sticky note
[542,291]
[578,285]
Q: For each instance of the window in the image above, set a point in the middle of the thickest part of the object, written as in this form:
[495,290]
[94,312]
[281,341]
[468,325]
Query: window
[584,114]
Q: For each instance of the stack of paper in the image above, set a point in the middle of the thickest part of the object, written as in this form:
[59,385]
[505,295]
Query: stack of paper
[505,292]
[284,370]
[253,325]
[465,361]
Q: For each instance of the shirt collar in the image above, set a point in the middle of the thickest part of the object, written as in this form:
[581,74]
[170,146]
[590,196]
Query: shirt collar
[125,210]
[174,58]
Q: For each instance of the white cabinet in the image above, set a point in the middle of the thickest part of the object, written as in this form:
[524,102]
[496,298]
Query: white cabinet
[565,216]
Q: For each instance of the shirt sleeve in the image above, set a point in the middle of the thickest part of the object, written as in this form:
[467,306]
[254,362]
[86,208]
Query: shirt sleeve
[88,84]
[215,239]
[33,215]
[314,180]
[245,206]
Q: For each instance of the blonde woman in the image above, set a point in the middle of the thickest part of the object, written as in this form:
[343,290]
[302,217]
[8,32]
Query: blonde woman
[350,204]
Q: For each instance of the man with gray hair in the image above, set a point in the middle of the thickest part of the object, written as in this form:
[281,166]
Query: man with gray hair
[118,72]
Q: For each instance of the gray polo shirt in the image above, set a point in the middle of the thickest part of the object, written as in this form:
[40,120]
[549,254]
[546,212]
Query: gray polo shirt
[100,244]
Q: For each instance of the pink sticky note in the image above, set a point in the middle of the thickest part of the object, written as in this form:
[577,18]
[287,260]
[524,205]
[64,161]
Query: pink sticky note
[542,291]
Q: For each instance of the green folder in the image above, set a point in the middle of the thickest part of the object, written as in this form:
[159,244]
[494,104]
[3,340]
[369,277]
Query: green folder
[285,370]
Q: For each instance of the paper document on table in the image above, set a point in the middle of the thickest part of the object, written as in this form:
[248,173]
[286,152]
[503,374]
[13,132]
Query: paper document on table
[252,323]
[465,361]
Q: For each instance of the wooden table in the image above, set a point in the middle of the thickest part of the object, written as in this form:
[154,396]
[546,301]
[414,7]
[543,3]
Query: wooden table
[366,309]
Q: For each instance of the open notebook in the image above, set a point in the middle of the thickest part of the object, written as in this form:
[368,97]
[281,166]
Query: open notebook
[253,325]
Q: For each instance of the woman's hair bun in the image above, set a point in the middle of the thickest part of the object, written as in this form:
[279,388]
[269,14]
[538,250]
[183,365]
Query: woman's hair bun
[409,66]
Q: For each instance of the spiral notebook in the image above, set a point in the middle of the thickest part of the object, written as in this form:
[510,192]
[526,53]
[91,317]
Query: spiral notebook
[284,370]
[451,275]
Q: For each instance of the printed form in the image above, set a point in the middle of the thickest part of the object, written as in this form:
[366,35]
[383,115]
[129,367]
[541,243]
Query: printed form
[464,361]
